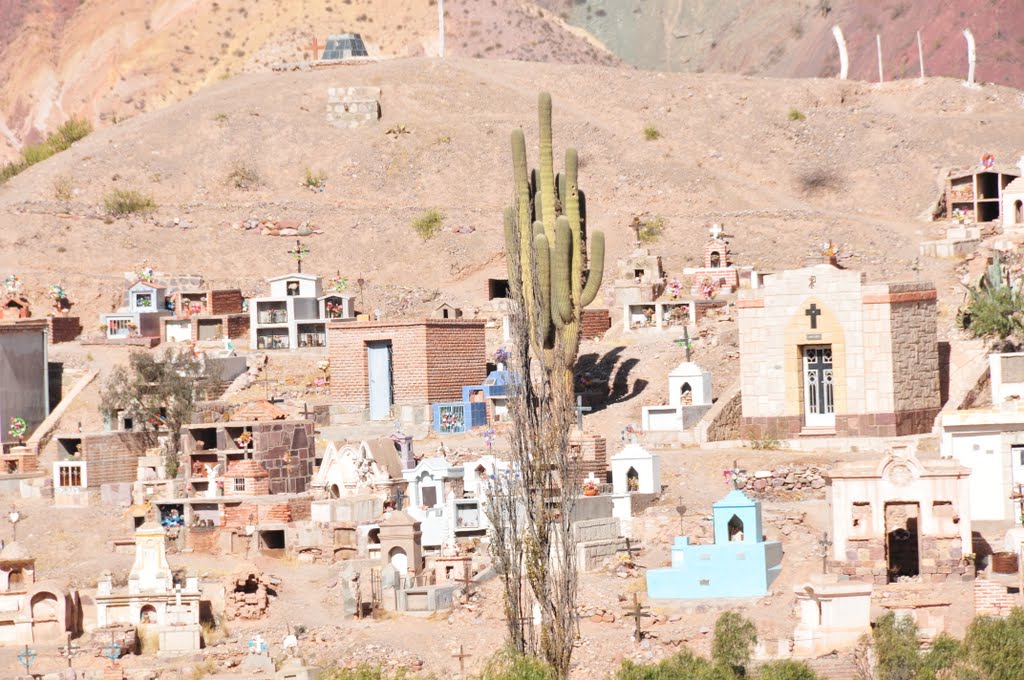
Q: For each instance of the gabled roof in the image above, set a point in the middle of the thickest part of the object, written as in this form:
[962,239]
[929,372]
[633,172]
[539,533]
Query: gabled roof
[1015,186]
[148,284]
[295,275]
[260,409]
[245,468]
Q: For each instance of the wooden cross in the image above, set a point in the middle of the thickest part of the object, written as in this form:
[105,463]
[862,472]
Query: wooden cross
[824,544]
[462,656]
[266,385]
[686,342]
[306,413]
[315,48]
[70,650]
[636,614]
[813,312]
[917,268]
[636,226]
[580,409]
[467,580]
[629,550]
[299,252]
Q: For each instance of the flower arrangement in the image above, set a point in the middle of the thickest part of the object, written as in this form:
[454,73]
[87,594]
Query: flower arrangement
[13,283]
[829,249]
[17,428]
[708,286]
[334,310]
[57,293]
[590,489]
[244,440]
[145,273]
[489,438]
[988,161]
[337,284]
[501,355]
[451,421]
[675,289]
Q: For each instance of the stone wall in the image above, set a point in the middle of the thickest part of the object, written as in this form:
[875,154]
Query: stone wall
[941,561]
[353,106]
[915,359]
[787,481]
[287,451]
[725,424]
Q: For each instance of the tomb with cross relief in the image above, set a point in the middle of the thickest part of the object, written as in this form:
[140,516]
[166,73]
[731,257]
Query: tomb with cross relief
[823,352]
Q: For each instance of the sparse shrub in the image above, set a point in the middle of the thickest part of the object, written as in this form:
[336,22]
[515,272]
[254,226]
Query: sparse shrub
[651,133]
[786,669]
[734,640]
[149,641]
[680,665]
[766,441]
[651,229]
[795,114]
[818,178]
[244,175]
[366,672]
[508,665]
[121,202]
[428,224]
[212,631]
[221,118]
[67,134]
[202,669]
[63,188]
[314,180]
[896,647]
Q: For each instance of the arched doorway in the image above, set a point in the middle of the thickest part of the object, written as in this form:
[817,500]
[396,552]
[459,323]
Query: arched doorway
[46,623]
[716,259]
[1018,212]
[735,529]
[399,560]
[686,395]
[335,491]
[147,614]
[632,479]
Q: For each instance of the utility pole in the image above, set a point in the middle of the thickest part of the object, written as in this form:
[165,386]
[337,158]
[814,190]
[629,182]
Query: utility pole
[440,28]
[844,58]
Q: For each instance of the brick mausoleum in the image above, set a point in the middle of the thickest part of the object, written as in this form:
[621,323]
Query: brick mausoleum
[824,352]
[386,369]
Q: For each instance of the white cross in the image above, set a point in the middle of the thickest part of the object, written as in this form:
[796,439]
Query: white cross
[177,595]
[591,479]
[716,231]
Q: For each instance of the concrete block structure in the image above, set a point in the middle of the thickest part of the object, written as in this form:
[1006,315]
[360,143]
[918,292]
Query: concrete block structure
[205,315]
[353,106]
[145,306]
[102,457]
[900,517]
[295,313]
[24,376]
[824,352]
[740,563]
[381,370]
[834,615]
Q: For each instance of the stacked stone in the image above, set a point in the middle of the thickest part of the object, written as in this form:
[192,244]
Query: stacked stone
[242,605]
[784,479]
[269,227]
[353,106]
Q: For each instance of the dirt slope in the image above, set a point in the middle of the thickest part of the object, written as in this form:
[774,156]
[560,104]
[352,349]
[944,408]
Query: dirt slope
[794,39]
[110,59]
[728,153]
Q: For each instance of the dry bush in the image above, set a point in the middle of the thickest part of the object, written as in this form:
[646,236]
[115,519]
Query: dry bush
[818,178]
[244,175]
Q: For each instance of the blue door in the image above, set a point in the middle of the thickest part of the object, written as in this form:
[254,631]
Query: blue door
[378,362]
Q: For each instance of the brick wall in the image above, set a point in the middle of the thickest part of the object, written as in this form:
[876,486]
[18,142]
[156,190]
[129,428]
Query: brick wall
[113,456]
[64,328]
[994,599]
[236,515]
[238,325]
[203,540]
[592,452]
[431,359]
[224,301]
[595,322]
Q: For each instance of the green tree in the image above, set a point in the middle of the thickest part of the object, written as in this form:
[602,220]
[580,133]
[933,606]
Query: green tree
[680,665]
[508,664]
[734,640]
[945,653]
[896,649]
[159,393]
[995,647]
[786,670]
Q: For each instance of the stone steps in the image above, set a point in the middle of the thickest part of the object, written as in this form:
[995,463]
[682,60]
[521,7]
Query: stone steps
[834,668]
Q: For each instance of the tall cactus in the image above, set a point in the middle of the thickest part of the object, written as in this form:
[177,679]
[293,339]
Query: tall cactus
[548,221]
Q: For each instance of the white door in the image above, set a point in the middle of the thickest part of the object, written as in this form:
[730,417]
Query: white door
[378,362]
[819,396]
[1017,461]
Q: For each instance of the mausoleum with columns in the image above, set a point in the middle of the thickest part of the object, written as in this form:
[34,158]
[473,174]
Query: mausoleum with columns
[823,352]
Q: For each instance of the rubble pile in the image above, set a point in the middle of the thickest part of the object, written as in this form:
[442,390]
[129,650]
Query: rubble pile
[247,596]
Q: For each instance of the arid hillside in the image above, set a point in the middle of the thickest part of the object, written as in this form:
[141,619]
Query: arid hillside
[108,60]
[794,39]
[860,167]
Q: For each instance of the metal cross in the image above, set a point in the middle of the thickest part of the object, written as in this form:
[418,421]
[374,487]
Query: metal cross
[580,409]
[299,252]
[462,656]
[26,658]
[306,413]
[824,544]
[636,614]
[112,651]
[399,497]
[70,650]
[917,268]
[686,342]
[467,580]
[813,312]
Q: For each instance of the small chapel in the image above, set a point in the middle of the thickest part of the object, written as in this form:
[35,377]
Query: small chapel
[824,352]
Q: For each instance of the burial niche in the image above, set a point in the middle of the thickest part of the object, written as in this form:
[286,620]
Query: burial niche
[735,529]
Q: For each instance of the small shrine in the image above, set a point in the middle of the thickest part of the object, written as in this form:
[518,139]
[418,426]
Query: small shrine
[740,563]
[636,470]
[689,398]
[717,273]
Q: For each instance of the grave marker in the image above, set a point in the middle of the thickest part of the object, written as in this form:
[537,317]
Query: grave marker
[637,613]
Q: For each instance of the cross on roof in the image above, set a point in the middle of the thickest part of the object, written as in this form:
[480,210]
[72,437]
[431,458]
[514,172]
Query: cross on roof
[580,409]
[813,312]
[299,252]
[716,231]
[637,613]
